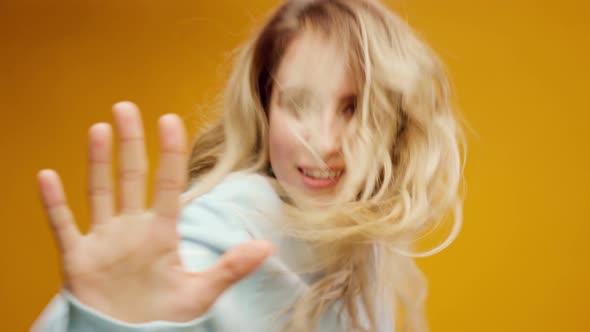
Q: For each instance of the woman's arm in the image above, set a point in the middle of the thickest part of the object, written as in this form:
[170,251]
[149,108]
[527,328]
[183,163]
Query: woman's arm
[128,266]
[222,219]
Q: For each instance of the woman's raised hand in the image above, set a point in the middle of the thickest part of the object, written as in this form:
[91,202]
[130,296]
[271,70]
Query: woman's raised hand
[128,266]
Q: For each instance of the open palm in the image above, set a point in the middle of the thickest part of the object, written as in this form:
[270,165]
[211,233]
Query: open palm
[128,266]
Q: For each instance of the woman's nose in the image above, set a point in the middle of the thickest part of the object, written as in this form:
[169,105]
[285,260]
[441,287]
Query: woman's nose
[326,138]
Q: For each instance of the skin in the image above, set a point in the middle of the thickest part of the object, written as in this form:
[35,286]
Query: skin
[313,100]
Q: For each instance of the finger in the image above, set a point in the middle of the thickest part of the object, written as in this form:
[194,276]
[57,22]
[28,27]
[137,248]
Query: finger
[100,177]
[172,169]
[132,157]
[234,265]
[60,217]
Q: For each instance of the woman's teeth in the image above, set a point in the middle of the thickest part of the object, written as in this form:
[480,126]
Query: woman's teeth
[321,174]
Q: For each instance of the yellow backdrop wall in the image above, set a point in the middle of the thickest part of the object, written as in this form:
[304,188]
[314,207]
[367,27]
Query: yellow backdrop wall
[520,71]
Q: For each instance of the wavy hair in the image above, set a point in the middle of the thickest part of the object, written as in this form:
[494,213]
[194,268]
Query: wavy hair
[405,154]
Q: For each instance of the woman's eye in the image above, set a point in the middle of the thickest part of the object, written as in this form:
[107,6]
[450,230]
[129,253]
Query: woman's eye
[349,110]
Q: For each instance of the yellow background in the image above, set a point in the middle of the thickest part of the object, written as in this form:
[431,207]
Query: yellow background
[520,71]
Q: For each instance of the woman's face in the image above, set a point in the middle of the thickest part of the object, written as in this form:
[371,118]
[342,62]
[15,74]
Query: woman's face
[313,100]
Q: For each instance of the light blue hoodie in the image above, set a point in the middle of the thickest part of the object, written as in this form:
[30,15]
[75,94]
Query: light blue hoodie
[236,210]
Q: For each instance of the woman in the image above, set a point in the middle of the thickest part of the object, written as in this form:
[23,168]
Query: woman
[337,148]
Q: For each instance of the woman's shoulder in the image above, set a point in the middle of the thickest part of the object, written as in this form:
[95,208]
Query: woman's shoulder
[242,188]
[240,202]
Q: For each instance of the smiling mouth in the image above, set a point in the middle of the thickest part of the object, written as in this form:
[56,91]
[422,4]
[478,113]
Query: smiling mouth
[320,179]
[320,174]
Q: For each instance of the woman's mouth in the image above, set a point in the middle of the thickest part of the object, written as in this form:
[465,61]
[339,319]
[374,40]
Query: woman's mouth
[319,178]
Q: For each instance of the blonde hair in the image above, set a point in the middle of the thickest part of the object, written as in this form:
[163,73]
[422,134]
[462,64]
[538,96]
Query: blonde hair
[405,155]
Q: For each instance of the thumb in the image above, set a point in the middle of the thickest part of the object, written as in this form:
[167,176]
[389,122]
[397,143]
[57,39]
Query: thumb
[236,264]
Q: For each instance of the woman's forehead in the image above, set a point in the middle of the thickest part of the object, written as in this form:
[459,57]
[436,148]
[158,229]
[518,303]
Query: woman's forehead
[314,62]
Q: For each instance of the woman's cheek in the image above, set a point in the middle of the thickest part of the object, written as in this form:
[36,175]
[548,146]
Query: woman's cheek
[283,148]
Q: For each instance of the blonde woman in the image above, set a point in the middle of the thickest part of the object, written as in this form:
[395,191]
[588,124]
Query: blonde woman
[337,148]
